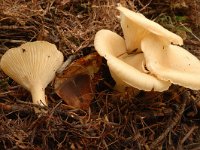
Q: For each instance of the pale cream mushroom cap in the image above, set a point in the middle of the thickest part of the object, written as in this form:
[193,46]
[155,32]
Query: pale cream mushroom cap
[171,63]
[107,42]
[130,70]
[127,70]
[135,26]
[33,65]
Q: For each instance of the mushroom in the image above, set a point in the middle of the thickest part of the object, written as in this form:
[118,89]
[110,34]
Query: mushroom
[109,43]
[150,57]
[33,65]
[127,70]
[171,63]
[136,26]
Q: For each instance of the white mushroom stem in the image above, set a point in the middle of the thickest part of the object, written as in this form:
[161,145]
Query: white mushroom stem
[38,95]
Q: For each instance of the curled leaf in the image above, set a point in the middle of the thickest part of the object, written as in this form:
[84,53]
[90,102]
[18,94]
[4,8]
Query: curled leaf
[74,85]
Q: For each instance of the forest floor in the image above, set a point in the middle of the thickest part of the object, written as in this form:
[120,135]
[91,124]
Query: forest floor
[150,120]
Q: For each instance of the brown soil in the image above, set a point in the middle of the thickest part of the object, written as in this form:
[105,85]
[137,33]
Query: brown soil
[150,120]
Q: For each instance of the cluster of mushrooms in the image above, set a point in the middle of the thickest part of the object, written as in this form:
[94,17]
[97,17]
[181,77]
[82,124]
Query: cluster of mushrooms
[149,57]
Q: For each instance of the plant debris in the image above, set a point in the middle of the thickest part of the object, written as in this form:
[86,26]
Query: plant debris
[76,83]
[148,120]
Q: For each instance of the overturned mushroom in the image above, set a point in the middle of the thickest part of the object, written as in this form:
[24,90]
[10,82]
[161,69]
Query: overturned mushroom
[33,65]
[127,70]
[136,26]
[171,63]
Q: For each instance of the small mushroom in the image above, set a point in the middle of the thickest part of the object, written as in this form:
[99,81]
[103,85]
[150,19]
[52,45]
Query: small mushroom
[127,70]
[33,65]
[171,63]
[136,26]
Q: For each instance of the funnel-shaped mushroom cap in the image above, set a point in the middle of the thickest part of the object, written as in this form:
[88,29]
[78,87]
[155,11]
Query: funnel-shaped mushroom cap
[131,70]
[33,65]
[171,63]
[107,42]
[135,26]
[127,70]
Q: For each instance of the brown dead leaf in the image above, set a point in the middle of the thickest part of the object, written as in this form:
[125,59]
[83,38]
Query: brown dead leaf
[74,85]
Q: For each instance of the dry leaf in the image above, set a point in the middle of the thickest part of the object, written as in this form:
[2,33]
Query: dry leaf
[74,85]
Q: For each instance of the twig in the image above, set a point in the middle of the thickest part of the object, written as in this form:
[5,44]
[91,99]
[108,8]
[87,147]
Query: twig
[190,32]
[144,7]
[66,63]
[188,134]
[172,123]
[14,108]
[52,112]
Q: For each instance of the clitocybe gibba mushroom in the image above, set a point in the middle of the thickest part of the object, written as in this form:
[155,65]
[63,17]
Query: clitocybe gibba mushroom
[127,70]
[136,26]
[149,58]
[171,63]
[33,65]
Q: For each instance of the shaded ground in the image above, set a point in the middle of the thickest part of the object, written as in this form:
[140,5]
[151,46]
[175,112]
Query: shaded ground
[168,120]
